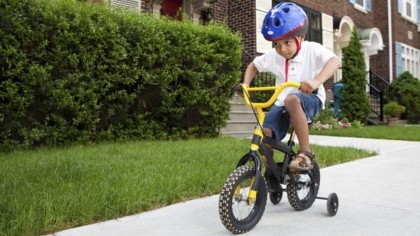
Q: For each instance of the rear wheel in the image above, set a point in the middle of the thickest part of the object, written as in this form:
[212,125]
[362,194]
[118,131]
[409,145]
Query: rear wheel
[303,188]
[237,212]
[275,197]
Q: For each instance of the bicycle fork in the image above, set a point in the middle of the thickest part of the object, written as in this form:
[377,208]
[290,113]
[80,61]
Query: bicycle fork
[256,145]
[259,142]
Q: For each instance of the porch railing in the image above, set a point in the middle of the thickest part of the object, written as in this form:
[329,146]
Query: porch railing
[377,89]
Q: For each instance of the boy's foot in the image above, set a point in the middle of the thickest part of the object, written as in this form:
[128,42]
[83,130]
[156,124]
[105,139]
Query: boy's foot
[303,161]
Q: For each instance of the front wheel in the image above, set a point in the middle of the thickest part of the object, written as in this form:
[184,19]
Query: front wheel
[303,188]
[238,213]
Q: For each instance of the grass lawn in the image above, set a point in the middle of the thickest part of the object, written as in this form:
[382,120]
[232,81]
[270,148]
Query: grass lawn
[393,132]
[47,190]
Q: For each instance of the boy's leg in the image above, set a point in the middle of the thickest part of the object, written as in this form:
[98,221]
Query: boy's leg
[299,120]
[275,124]
[301,108]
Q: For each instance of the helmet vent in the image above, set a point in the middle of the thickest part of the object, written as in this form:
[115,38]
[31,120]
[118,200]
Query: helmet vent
[286,9]
[276,22]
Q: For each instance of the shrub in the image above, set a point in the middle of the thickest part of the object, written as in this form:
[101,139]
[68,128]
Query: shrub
[73,72]
[355,103]
[405,90]
[393,109]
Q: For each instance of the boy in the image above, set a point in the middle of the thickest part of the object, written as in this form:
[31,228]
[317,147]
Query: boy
[293,59]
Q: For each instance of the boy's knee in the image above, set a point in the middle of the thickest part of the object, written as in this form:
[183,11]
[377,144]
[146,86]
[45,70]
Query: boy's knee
[291,101]
[268,132]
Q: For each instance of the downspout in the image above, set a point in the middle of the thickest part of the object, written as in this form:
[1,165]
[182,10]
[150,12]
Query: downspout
[390,45]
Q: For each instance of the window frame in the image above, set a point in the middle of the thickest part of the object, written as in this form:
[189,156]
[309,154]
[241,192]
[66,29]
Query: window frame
[363,6]
[410,59]
[413,14]
[310,35]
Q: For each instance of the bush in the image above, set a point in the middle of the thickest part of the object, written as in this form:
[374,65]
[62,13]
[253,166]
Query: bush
[355,103]
[405,91]
[393,109]
[73,72]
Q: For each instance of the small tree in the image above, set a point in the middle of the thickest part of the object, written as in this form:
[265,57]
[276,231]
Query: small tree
[355,103]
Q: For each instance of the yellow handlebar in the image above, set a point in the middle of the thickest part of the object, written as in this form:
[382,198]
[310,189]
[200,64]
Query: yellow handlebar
[277,90]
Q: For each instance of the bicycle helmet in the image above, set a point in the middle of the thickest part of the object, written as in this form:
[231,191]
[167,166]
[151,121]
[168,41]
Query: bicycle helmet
[284,20]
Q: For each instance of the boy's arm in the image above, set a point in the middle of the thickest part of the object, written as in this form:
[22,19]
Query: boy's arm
[250,72]
[327,71]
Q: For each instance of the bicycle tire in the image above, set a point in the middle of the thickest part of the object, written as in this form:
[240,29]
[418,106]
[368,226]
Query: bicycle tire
[303,188]
[229,200]
[275,197]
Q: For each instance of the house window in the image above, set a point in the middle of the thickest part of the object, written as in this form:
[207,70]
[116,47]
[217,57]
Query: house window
[407,8]
[362,5]
[315,26]
[410,60]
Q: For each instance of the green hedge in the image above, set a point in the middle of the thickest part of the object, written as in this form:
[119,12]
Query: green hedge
[405,91]
[74,73]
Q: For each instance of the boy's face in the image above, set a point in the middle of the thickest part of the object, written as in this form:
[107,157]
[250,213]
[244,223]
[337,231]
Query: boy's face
[287,47]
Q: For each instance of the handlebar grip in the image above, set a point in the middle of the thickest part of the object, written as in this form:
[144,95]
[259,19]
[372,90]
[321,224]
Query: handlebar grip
[238,89]
[313,92]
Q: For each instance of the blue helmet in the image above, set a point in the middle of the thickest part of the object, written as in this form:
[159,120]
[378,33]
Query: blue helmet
[284,20]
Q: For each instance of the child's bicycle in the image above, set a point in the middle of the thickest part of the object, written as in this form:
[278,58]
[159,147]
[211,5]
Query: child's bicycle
[243,197]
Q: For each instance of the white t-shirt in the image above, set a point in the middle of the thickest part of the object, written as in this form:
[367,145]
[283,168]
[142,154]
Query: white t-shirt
[305,66]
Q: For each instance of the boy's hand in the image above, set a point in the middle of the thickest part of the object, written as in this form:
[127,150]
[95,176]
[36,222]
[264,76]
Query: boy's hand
[238,90]
[309,86]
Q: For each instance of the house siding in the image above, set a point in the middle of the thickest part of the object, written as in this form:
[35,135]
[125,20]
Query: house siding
[401,28]
[240,16]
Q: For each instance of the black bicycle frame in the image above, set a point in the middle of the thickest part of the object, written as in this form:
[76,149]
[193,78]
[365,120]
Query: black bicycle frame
[269,162]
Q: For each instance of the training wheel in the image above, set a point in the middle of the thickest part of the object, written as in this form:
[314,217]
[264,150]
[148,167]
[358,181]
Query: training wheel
[275,197]
[332,204]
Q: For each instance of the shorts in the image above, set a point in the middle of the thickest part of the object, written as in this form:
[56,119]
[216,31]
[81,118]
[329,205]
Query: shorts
[277,119]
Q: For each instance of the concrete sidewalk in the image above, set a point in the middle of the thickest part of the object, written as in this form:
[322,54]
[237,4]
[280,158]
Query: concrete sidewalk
[379,195]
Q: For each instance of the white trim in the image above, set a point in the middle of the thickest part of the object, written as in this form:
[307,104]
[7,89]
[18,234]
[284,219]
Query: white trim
[129,4]
[413,18]
[343,34]
[342,37]
[371,40]
[410,19]
[390,59]
[263,5]
[327,31]
[360,8]
[411,59]
[263,45]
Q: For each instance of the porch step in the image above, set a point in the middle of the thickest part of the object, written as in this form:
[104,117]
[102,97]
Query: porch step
[239,126]
[242,120]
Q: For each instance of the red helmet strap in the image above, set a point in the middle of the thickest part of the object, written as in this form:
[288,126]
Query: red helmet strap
[286,65]
[298,45]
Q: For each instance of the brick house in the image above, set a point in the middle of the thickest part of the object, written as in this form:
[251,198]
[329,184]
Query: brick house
[389,32]
[387,39]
